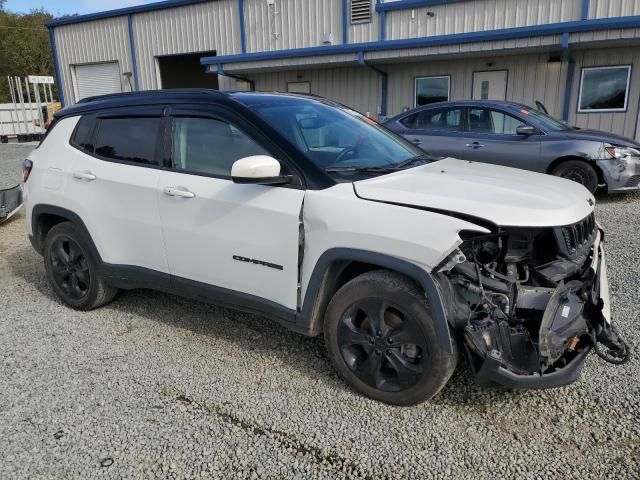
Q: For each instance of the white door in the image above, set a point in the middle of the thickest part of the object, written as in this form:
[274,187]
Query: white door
[490,85]
[243,238]
[97,79]
[116,191]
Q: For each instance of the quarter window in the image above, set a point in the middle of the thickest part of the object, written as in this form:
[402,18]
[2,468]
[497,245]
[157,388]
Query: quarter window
[604,89]
[83,136]
[432,89]
[209,146]
[129,139]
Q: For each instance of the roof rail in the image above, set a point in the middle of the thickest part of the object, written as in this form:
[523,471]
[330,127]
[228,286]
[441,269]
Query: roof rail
[145,93]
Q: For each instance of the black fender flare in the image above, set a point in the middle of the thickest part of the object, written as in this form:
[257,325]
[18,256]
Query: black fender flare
[44,209]
[423,278]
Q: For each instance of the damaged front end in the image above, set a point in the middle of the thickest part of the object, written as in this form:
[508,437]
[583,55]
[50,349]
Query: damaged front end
[531,303]
[10,202]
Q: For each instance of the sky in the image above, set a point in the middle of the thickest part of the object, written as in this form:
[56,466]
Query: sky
[64,7]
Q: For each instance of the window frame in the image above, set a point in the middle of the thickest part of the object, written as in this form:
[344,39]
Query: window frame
[604,110]
[435,111]
[467,127]
[217,113]
[415,88]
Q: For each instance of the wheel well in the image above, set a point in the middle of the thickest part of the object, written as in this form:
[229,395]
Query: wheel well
[43,224]
[560,160]
[336,276]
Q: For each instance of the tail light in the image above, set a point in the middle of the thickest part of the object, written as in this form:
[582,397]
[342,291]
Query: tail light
[26,170]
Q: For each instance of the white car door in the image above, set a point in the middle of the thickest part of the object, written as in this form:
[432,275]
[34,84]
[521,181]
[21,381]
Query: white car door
[237,241]
[114,182]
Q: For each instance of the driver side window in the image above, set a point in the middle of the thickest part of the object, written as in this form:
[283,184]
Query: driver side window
[485,120]
[209,146]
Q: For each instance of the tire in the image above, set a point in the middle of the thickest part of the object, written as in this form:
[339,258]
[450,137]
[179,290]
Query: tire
[578,171]
[72,272]
[399,362]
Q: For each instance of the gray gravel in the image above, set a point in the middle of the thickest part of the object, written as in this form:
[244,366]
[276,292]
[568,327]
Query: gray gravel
[157,386]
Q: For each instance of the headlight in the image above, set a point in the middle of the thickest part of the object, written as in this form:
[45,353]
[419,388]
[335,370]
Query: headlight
[622,152]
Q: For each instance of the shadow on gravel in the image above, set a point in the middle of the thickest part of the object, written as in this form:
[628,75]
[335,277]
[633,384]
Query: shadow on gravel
[250,332]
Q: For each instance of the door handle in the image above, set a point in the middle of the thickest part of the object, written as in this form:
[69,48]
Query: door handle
[417,141]
[474,145]
[178,192]
[86,175]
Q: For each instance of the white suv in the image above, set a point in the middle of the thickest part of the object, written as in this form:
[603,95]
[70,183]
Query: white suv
[304,210]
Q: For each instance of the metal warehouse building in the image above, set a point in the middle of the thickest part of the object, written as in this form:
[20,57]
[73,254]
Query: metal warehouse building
[580,58]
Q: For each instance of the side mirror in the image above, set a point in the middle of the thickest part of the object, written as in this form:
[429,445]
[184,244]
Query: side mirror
[526,130]
[258,169]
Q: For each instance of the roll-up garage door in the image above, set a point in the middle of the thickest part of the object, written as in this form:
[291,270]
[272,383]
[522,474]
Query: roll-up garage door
[97,79]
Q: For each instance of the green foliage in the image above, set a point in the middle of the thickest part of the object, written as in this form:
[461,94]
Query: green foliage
[24,46]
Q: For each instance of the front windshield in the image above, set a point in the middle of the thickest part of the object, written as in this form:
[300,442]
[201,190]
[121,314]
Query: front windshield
[334,137]
[547,122]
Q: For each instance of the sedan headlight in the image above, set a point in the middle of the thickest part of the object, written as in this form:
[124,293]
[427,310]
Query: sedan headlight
[622,152]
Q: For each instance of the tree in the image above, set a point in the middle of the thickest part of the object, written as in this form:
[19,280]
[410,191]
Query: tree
[24,46]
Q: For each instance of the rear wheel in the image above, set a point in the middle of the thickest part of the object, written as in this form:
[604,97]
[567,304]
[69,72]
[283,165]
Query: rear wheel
[71,271]
[580,172]
[381,339]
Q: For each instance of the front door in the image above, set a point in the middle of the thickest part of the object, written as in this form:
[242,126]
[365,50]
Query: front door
[490,85]
[491,138]
[239,239]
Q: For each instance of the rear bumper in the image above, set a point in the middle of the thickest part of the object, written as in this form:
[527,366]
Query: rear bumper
[10,202]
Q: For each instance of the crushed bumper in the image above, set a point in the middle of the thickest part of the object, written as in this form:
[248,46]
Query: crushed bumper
[10,202]
[621,175]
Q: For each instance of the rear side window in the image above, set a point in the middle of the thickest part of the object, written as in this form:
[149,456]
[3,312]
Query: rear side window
[133,139]
[437,120]
[83,134]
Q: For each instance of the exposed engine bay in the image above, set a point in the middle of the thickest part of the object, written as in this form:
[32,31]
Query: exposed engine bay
[529,302]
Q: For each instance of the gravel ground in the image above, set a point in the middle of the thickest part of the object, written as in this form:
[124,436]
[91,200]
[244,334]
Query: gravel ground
[157,386]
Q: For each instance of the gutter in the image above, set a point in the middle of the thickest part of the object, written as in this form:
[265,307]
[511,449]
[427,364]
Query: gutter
[385,84]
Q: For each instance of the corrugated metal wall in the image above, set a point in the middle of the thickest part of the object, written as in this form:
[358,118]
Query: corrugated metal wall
[613,8]
[623,123]
[92,42]
[356,87]
[530,78]
[479,15]
[291,23]
[195,28]
[366,32]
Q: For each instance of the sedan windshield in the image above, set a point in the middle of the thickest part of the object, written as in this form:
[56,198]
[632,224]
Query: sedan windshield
[336,138]
[545,121]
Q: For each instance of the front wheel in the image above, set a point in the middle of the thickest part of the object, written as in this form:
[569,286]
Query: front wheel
[578,171]
[381,339]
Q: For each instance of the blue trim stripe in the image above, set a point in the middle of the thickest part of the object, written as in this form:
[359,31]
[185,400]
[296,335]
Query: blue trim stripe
[568,90]
[452,39]
[243,37]
[123,11]
[134,55]
[345,21]
[585,9]
[407,4]
[56,64]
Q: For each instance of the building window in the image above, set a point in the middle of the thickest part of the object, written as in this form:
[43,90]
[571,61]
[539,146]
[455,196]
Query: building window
[360,11]
[432,89]
[604,89]
[299,87]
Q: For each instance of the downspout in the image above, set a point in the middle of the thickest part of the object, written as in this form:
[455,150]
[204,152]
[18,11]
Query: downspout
[568,88]
[56,64]
[221,72]
[243,38]
[134,56]
[385,85]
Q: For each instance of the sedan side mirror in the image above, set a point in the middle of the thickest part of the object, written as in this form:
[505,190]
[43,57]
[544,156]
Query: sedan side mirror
[258,169]
[526,130]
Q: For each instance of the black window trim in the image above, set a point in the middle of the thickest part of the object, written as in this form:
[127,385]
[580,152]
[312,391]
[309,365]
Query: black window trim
[218,112]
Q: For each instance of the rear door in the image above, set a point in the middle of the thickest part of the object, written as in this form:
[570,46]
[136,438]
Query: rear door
[438,131]
[242,240]
[114,180]
[491,138]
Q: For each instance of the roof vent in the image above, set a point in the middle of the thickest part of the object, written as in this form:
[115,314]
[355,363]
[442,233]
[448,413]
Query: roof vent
[360,11]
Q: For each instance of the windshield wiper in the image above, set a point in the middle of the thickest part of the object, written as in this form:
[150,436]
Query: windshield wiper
[418,158]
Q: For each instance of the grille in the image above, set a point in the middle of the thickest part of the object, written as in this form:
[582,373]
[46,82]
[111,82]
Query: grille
[633,181]
[360,11]
[576,240]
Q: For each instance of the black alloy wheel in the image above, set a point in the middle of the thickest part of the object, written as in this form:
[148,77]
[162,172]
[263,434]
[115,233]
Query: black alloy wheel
[382,345]
[580,172]
[70,268]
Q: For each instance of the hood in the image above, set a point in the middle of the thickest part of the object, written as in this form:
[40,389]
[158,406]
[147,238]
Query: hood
[505,196]
[599,136]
